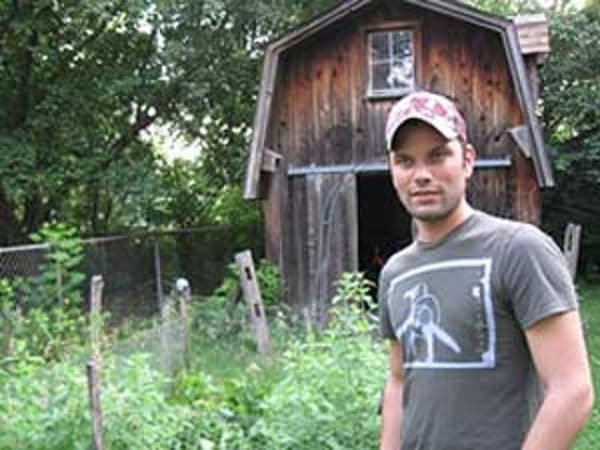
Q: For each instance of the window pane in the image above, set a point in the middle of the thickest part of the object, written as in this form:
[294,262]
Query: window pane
[402,41]
[379,75]
[380,47]
[401,73]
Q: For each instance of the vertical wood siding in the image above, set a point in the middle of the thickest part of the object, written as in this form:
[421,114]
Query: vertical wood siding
[321,116]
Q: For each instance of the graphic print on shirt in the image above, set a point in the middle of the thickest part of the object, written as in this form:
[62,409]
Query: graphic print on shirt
[443,315]
[422,326]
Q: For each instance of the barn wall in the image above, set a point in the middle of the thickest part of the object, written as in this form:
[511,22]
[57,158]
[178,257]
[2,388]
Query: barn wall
[320,239]
[320,115]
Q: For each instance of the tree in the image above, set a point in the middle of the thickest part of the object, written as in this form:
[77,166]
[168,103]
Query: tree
[571,106]
[80,83]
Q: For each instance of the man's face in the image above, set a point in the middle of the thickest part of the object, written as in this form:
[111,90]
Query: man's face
[429,172]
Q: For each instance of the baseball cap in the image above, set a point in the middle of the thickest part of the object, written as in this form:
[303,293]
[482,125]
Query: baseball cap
[433,109]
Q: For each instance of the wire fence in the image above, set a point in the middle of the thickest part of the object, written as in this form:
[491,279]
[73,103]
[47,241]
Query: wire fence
[139,269]
[146,341]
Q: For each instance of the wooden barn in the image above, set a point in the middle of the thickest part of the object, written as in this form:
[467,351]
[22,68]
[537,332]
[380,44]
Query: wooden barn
[318,160]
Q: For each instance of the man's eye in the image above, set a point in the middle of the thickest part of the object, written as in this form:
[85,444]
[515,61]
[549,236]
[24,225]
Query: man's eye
[403,162]
[438,153]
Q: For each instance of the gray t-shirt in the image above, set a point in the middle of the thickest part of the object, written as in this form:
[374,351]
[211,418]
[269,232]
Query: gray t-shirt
[459,308]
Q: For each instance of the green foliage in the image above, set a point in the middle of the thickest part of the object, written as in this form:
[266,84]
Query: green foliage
[571,105]
[508,7]
[182,196]
[570,91]
[322,391]
[48,409]
[9,316]
[45,310]
[516,7]
[83,86]
[243,217]
[77,84]
[61,280]
[590,312]
[223,311]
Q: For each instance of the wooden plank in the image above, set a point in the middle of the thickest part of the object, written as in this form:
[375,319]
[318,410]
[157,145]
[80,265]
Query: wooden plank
[571,245]
[332,239]
[184,295]
[282,238]
[303,110]
[533,33]
[271,161]
[522,138]
[96,287]
[93,376]
[273,213]
[295,258]
[358,76]
[93,366]
[251,292]
[261,119]
[314,242]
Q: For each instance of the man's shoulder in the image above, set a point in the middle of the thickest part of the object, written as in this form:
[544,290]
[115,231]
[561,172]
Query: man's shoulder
[399,259]
[508,230]
[514,229]
[498,223]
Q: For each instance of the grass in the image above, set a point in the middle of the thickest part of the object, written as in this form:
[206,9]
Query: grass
[590,311]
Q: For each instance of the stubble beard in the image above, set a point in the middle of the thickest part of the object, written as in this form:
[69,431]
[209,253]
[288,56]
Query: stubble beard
[438,214]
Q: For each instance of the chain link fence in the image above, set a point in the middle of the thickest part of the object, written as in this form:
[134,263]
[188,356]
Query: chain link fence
[139,270]
[140,359]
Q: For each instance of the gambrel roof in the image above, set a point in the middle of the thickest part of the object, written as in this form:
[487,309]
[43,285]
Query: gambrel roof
[530,137]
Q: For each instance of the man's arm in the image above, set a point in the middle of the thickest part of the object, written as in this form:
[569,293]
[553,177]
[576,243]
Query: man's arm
[391,415]
[558,349]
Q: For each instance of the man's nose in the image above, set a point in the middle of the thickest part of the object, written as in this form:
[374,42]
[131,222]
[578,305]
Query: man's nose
[422,174]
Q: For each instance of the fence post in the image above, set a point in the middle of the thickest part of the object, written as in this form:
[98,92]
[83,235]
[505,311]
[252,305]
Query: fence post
[571,247]
[158,276]
[182,286]
[253,298]
[93,366]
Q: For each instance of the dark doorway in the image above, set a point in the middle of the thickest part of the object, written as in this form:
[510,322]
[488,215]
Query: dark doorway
[383,223]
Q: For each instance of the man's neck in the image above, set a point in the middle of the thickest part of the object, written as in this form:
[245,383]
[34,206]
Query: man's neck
[431,232]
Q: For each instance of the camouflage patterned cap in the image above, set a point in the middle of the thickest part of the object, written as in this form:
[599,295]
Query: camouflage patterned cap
[433,109]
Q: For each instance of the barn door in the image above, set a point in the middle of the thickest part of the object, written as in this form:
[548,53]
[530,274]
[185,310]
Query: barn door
[332,235]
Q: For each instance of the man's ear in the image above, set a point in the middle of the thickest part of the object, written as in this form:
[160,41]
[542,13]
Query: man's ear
[469,156]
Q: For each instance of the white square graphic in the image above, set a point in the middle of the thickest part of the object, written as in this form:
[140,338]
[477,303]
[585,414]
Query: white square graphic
[443,315]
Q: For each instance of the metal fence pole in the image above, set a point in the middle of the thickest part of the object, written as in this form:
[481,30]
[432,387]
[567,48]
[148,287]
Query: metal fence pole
[158,276]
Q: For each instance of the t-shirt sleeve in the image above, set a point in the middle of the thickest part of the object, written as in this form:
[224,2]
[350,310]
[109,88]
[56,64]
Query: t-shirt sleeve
[537,282]
[385,325]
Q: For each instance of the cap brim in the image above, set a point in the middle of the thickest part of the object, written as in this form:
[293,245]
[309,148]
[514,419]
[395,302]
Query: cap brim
[447,132]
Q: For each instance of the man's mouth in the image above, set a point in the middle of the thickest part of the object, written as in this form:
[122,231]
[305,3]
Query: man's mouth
[424,193]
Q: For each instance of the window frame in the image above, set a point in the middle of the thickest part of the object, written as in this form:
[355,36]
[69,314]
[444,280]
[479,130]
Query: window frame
[415,28]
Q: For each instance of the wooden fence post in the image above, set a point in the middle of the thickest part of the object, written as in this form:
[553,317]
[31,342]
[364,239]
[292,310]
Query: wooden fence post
[182,286]
[93,366]
[253,298]
[571,247]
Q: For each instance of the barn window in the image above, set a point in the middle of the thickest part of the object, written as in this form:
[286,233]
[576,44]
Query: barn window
[391,62]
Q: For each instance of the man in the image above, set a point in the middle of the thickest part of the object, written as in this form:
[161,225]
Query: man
[486,347]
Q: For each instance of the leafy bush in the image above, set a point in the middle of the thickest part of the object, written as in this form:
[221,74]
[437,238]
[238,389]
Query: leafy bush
[45,310]
[322,392]
[223,312]
[244,218]
[47,407]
